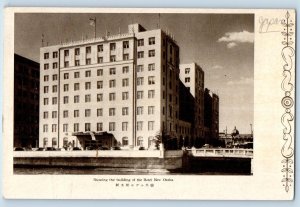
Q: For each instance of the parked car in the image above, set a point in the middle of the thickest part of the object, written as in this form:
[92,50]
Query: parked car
[207,146]
[76,149]
[103,148]
[115,148]
[50,149]
[19,149]
[141,148]
[40,149]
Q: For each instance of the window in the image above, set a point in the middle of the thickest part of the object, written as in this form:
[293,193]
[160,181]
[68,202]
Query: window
[66,76]
[112,71]
[46,66]
[46,55]
[87,85]
[151,67]
[112,58]
[139,126]
[76,86]
[46,89]
[87,113]
[99,84]
[54,65]
[100,59]
[65,127]
[54,126]
[65,113]
[88,50]
[124,126]
[112,83]
[65,142]
[140,94]
[140,68]
[112,126]
[141,54]
[99,72]
[76,113]
[54,54]
[45,128]
[150,125]
[54,100]
[88,98]
[46,115]
[99,97]
[76,99]
[54,88]
[187,80]
[112,96]
[100,126]
[76,75]
[151,94]
[112,46]
[150,109]
[125,56]
[99,112]
[87,127]
[125,69]
[125,44]
[112,111]
[125,141]
[66,87]
[139,110]
[140,141]
[125,82]
[76,127]
[124,95]
[151,40]
[88,61]
[151,53]
[100,48]
[77,51]
[151,80]
[66,64]
[66,99]
[88,73]
[125,111]
[141,42]
[54,77]
[77,63]
[54,114]
[140,81]
[187,70]
[66,53]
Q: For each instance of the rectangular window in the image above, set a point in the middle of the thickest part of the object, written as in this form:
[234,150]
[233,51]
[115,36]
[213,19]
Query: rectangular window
[100,72]
[88,61]
[46,66]
[76,127]
[76,113]
[125,56]
[54,65]
[151,94]
[112,58]
[54,100]
[66,53]
[187,80]
[66,87]
[76,74]
[139,110]
[46,55]
[140,94]
[54,127]
[54,54]
[76,86]
[88,50]
[54,88]
[87,113]
[112,96]
[112,111]
[87,85]
[150,125]
[54,114]
[100,59]
[99,84]
[45,128]
[99,97]
[139,126]
[66,76]
[141,42]
[112,83]
[125,82]
[125,69]
[46,115]
[66,64]
[140,81]
[87,127]
[112,71]
[141,54]
[100,48]
[151,40]
[124,95]
[65,113]
[187,70]
[100,127]
[77,63]
[112,126]
[124,126]
[112,46]
[125,44]
[151,53]
[99,112]
[150,109]
[151,80]
[140,68]
[46,89]
[87,98]
[65,127]
[125,111]
[76,99]
[151,67]
[66,99]
[77,51]
[88,73]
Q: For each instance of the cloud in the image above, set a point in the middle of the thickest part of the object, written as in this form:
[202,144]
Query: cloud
[241,81]
[233,38]
[216,67]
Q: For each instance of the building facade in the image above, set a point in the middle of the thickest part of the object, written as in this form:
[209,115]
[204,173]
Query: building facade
[211,115]
[26,102]
[119,90]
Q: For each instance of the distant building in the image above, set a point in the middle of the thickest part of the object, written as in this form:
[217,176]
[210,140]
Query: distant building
[26,102]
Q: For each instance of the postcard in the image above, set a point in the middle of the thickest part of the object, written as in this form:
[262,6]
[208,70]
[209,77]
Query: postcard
[115,103]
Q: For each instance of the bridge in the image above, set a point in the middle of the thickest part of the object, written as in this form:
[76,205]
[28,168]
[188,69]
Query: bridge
[221,152]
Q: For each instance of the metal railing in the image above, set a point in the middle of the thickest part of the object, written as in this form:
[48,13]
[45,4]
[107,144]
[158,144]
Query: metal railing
[223,152]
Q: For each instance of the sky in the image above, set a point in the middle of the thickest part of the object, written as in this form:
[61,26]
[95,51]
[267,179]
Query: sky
[222,44]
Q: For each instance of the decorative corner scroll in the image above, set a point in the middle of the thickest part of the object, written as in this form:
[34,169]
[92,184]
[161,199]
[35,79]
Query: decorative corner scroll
[287,119]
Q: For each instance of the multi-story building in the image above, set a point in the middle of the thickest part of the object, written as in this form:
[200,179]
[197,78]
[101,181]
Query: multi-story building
[211,115]
[26,102]
[121,89]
